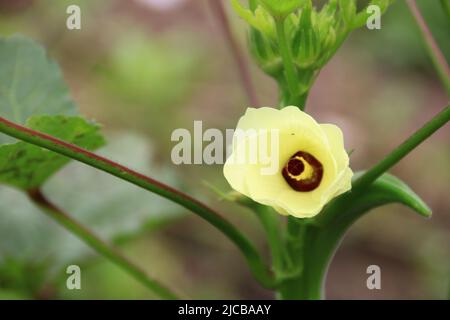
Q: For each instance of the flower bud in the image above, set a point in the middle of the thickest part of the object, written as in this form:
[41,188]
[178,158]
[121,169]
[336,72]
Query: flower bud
[280,9]
[312,35]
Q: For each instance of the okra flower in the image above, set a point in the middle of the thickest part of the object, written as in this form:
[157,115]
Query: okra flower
[311,164]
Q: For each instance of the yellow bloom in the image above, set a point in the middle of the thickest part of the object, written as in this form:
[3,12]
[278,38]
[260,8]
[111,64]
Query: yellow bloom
[312,166]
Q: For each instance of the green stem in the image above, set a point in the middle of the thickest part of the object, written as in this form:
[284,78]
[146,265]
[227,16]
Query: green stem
[401,151]
[242,66]
[305,284]
[271,225]
[436,56]
[254,260]
[301,100]
[289,68]
[98,245]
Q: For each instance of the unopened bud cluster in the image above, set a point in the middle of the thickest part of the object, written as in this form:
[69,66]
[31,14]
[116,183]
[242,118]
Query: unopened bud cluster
[313,35]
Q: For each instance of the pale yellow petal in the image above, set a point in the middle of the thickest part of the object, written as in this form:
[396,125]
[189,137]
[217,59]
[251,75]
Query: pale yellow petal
[336,142]
[343,183]
[235,171]
[288,118]
[299,204]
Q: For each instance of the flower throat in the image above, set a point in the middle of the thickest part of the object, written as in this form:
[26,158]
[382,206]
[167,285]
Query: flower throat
[303,172]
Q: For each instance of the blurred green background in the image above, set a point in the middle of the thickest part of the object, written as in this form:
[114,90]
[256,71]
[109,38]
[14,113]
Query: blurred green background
[146,67]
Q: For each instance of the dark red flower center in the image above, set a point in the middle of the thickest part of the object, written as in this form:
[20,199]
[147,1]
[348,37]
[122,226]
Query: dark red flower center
[296,165]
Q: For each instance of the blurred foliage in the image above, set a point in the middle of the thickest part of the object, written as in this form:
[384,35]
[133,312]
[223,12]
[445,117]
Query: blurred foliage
[24,276]
[115,210]
[398,43]
[154,72]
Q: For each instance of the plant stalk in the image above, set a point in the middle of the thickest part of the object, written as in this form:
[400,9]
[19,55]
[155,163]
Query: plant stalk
[289,67]
[436,56]
[86,235]
[402,150]
[243,69]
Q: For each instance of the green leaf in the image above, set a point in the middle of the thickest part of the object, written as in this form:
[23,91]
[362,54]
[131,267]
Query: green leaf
[386,189]
[30,83]
[26,166]
[33,93]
